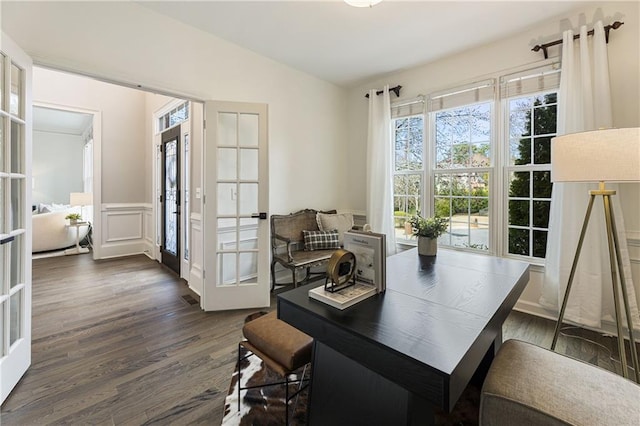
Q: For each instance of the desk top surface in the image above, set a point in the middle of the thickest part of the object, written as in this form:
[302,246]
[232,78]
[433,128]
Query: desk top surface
[434,309]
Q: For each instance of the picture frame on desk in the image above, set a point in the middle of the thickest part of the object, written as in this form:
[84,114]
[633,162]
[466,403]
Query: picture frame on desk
[370,249]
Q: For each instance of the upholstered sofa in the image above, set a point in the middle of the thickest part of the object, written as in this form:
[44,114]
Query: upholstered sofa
[51,231]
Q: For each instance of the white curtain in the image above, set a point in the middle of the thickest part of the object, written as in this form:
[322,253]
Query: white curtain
[584,103]
[379,173]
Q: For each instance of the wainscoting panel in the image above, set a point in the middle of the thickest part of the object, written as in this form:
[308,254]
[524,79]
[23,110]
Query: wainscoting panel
[196,254]
[126,229]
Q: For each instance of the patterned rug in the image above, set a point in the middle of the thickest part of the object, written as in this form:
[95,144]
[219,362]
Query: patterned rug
[265,406]
[262,406]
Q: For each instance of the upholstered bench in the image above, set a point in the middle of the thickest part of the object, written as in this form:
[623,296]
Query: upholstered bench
[282,347]
[530,385]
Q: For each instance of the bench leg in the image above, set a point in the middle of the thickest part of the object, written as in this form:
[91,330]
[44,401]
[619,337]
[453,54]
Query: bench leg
[273,275]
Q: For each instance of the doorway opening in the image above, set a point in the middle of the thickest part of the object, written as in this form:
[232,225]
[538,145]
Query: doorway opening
[62,180]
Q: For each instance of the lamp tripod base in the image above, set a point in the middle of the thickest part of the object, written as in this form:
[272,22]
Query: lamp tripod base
[617,268]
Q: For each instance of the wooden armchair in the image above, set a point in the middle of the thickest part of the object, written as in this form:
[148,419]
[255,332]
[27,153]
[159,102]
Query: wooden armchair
[287,245]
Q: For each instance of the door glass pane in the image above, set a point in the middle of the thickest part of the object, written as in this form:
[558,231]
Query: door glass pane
[227,159]
[249,233]
[249,164]
[248,198]
[187,207]
[227,235]
[17,263]
[248,130]
[16,90]
[227,194]
[248,267]
[3,182]
[171,194]
[2,92]
[227,129]
[227,268]
[17,165]
[15,310]
[226,225]
[2,310]
[2,144]
[16,203]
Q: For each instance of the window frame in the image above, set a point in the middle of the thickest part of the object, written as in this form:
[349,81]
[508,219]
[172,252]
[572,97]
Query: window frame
[499,170]
[433,171]
[409,240]
[531,167]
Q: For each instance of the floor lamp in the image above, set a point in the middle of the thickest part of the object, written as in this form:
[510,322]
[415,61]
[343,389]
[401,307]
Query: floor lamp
[611,155]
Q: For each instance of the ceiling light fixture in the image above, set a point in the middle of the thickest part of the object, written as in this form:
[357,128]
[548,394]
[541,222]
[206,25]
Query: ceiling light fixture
[362,3]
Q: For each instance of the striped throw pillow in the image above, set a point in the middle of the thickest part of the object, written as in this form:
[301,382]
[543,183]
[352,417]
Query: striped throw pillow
[321,240]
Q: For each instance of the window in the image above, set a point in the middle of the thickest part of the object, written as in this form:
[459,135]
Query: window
[174,117]
[463,166]
[408,164]
[494,203]
[530,104]
[462,172]
[532,124]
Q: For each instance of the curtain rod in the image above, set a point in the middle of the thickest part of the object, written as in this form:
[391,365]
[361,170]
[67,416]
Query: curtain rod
[395,90]
[614,26]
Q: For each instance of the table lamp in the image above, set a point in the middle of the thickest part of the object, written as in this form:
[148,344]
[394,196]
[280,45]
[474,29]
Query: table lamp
[611,155]
[81,199]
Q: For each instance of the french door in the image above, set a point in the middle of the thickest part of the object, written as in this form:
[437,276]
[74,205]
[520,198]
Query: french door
[15,216]
[170,247]
[236,246]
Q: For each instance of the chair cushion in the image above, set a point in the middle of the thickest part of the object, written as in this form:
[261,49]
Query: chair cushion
[283,343]
[530,385]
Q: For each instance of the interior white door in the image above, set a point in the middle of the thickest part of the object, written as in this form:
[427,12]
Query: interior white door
[236,245]
[15,215]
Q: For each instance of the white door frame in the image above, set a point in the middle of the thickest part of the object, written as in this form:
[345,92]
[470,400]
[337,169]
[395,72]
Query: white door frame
[96,225]
[185,128]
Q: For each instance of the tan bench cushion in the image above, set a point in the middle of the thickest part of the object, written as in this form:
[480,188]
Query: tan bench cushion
[275,339]
[530,385]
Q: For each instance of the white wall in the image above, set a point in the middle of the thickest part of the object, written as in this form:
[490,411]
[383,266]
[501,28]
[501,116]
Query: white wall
[124,169]
[57,167]
[122,109]
[512,52]
[509,53]
[129,43]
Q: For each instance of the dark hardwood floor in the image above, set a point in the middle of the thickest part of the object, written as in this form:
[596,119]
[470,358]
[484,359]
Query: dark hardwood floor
[122,342]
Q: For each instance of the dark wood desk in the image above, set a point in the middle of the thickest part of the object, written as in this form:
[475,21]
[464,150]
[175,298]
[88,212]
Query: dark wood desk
[393,357]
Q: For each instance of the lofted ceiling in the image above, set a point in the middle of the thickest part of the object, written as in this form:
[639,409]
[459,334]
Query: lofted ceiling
[348,45]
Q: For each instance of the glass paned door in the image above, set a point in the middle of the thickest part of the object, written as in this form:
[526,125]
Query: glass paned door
[236,234]
[170,247]
[15,226]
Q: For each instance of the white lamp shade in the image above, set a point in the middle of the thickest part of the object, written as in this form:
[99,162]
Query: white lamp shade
[611,155]
[81,198]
